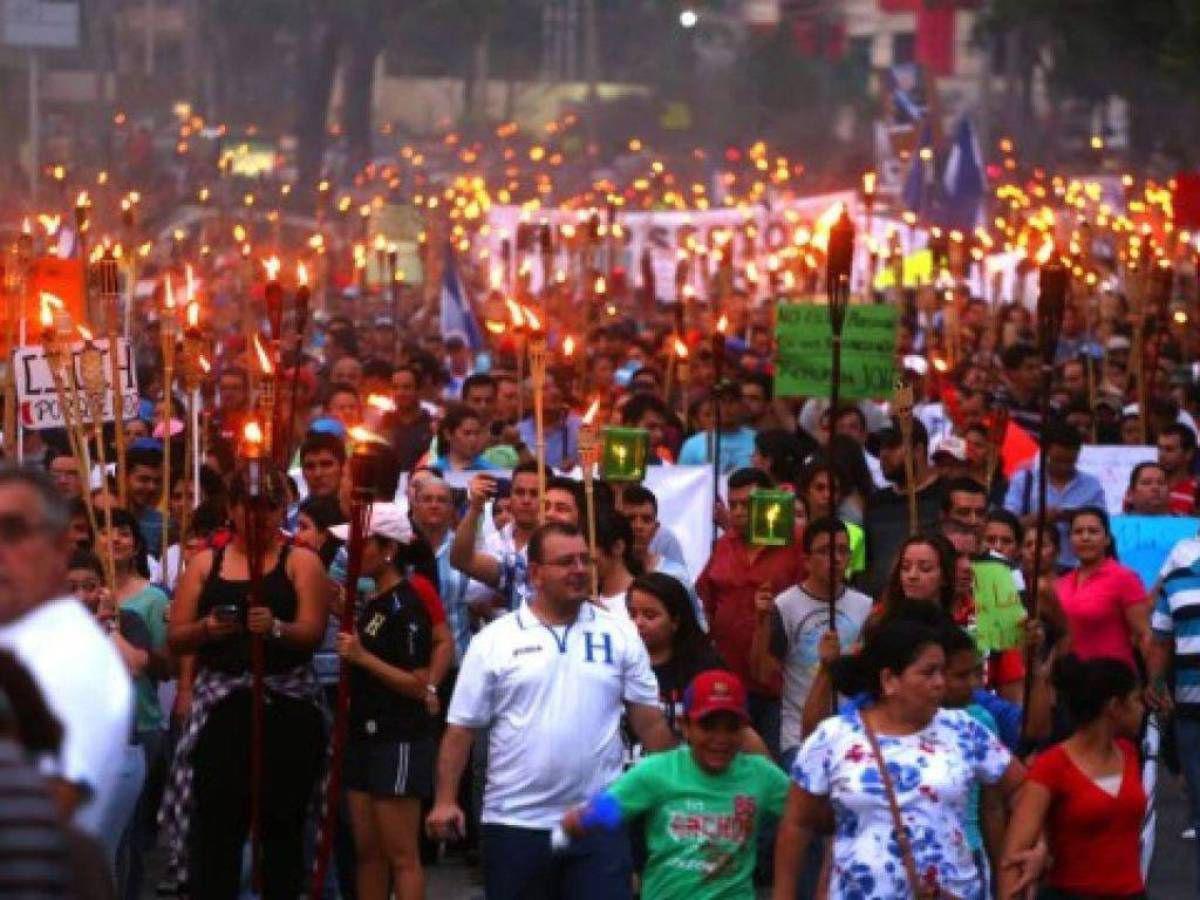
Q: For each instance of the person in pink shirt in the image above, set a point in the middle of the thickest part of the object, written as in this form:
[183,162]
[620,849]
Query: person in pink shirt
[1105,603]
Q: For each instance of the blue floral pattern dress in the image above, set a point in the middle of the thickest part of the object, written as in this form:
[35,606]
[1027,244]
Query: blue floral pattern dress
[932,771]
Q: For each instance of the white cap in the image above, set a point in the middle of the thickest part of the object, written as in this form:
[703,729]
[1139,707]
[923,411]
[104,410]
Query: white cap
[951,445]
[386,520]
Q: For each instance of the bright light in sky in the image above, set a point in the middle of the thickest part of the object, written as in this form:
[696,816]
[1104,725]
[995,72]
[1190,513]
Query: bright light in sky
[688,18]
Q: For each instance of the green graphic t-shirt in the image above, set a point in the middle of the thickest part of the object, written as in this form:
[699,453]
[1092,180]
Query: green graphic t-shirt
[700,828]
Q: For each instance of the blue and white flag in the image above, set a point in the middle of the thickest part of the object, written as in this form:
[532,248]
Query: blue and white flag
[964,183]
[457,316]
[918,185]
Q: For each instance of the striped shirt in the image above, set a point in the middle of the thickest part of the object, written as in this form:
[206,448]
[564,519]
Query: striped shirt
[1177,617]
[34,861]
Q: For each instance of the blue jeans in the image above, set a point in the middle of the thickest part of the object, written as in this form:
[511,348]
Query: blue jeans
[518,864]
[1187,735]
[117,818]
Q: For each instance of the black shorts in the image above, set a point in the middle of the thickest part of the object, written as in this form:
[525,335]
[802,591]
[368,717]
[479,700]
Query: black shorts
[384,768]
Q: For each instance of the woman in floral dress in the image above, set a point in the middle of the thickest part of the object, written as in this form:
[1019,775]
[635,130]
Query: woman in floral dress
[933,756]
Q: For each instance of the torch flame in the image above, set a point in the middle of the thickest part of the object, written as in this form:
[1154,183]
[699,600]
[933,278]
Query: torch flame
[302,274]
[1046,251]
[591,412]
[495,327]
[205,364]
[168,293]
[381,403]
[601,286]
[84,333]
[82,201]
[49,303]
[264,359]
[535,324]
[272,267]
[252,434]
[360,435]
[193,314]
[514,312]
[568,346]
[681,349]
[26,226]
[868,183]
[722,324]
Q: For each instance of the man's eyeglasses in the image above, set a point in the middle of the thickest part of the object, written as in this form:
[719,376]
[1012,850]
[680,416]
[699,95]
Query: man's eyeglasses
[583,560]
[15,528]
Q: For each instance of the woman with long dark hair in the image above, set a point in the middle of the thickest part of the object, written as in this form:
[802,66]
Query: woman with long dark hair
[679,650]
[1104,602]
[1084,794]
[895,774]
[207,808]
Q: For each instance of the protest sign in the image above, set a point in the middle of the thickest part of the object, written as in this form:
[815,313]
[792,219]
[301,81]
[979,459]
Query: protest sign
[401,225]
[1143,542]
[38,400]
[802,364]
[1112,465]
[999,614]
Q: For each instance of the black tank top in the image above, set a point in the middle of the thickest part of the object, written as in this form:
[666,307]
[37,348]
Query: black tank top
[232,654]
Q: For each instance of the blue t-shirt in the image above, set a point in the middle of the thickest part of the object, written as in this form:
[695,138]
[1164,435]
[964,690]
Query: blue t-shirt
[736,449]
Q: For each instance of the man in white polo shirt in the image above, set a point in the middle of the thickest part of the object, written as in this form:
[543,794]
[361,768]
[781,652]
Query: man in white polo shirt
[550,681]
[75,665]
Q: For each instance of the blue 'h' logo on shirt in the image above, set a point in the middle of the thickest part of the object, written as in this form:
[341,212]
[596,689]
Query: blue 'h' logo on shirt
[591,645]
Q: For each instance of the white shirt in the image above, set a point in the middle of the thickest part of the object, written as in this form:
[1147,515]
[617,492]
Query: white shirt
[86,686]
[1183,554]
[552,698]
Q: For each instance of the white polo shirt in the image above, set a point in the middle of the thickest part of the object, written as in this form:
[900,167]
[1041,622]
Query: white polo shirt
[552,698]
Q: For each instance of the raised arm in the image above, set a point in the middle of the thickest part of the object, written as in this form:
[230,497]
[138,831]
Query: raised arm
[463,554]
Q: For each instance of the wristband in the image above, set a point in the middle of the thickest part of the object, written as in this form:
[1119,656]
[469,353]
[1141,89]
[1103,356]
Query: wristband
[603,812]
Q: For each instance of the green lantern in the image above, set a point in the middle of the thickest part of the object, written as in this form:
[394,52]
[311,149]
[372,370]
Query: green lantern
[772,518]
[625,453]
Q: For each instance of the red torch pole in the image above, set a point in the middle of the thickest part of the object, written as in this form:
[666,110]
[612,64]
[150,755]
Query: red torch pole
[252,451]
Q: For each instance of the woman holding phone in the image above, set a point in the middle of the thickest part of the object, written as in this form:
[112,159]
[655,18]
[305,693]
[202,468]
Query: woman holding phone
[207,804]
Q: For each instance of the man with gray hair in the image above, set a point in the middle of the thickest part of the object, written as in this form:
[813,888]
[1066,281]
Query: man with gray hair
[76,667]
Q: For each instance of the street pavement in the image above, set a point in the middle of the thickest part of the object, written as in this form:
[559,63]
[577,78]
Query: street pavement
[1172,871]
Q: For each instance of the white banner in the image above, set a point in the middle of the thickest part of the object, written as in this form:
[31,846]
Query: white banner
[1112,465]
[38,400]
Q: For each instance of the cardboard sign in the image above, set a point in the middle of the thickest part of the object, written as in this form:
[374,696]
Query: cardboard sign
[802,364]
[999,613]
[38,400]
[1112,465]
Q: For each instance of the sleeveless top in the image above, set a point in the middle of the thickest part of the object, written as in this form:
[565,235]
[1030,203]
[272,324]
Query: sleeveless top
[231,655]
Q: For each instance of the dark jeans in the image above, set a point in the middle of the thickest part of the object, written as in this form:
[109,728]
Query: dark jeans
[764,718]
[1187,736]
[293,750]
[518,864]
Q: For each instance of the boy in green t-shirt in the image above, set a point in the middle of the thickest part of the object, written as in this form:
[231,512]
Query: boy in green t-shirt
[703,802]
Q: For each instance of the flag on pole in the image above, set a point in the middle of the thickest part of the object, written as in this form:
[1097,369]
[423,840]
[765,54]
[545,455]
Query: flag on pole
[963,182]
[457,317]
[918,193]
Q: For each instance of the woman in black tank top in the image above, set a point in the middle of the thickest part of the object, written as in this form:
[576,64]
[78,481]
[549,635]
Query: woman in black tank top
[211,617]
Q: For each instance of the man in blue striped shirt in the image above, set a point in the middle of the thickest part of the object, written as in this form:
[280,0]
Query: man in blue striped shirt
[1176,626]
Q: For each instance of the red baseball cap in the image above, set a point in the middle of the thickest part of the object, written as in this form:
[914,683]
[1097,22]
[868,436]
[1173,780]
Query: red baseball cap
[715,691]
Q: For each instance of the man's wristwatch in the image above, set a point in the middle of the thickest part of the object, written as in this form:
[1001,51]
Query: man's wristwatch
[276,630]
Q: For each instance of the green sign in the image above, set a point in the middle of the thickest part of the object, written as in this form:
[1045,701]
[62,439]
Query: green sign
[625,452]
[772,518]
[999,613]
[803,359]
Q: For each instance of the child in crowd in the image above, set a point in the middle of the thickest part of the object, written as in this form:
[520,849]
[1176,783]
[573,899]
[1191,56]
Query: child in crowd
[703,802]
